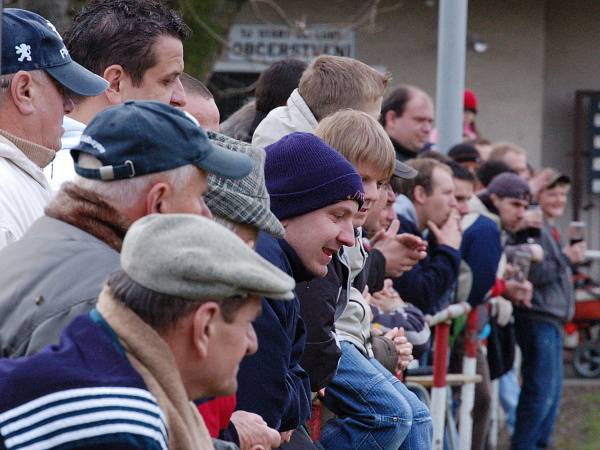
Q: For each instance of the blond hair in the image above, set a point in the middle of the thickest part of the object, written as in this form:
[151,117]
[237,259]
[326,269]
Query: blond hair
[360,139]
[331,83]
[500,149]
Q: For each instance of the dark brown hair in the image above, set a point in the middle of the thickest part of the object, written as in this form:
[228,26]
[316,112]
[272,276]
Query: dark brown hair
[162,311]
[123,32]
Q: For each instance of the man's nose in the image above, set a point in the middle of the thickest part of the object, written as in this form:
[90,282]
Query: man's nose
[178,97]
[346,234]
[68,105]
[252,342]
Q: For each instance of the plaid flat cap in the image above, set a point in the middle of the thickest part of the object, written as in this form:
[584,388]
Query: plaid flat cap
[247,200]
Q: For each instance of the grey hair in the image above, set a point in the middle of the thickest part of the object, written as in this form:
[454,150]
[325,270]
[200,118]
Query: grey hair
[39,76]
[125,193]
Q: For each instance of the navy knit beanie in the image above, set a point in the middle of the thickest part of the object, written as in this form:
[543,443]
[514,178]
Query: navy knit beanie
[303,174]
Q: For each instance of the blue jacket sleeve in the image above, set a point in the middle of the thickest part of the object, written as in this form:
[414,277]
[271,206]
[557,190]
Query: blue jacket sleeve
[428,283]
[481,249]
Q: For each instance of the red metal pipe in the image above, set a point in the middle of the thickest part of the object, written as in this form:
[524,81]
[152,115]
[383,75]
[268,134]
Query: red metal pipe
[440,356]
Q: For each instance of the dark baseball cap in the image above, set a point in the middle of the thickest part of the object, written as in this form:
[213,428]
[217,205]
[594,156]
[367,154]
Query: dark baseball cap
[30,42]
[143,137]
[509,185]
[464,153]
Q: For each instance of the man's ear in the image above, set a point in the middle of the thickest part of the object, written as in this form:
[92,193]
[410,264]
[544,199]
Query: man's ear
[285,223]
[22,92]
[495,199]
[204,327]
[116,76]
[158,198]
[419,194]
[389,116]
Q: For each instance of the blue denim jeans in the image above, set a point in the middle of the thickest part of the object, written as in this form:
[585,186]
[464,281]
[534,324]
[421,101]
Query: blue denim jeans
[509,397]
[541,344]
[374,409]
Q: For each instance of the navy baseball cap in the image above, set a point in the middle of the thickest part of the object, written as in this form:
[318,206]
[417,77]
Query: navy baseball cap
[30,42]
[143,137]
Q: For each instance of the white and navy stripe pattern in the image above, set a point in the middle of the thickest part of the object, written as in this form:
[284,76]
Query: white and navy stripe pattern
[97,414]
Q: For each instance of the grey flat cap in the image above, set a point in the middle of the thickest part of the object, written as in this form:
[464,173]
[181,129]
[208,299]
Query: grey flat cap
[192,257]
[246,200]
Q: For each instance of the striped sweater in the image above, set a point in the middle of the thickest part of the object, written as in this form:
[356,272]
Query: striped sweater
[82,393]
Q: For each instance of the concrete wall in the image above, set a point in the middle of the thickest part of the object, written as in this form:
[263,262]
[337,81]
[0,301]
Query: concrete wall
[508,78]
[571,63]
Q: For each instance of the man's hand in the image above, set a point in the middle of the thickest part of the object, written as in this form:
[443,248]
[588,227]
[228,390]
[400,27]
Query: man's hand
[254,433]
[450,233]
[386,299]
[539,181]
[401,251]
[575,252]
[519,292]
[532,218]
[286,436]
[403,347]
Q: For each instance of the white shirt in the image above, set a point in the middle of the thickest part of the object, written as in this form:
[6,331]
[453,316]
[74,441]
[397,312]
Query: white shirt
[61,169]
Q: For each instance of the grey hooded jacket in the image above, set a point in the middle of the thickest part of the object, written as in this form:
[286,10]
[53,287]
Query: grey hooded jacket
[54,273]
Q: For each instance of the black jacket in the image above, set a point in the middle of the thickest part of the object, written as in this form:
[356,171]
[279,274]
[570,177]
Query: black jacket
[322,300]
[402,153]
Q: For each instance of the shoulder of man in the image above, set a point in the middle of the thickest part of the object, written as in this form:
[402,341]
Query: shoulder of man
[82,392]
[283,120]
[66,268]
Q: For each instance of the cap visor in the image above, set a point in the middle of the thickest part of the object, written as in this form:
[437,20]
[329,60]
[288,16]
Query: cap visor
[78,79]
[226,163]
[402,170]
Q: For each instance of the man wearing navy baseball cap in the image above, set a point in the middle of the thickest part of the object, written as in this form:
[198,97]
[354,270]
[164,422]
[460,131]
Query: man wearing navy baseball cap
[134,159]
[36,79]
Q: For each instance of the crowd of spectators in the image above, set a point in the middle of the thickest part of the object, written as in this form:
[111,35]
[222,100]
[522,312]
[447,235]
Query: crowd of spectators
[172,282]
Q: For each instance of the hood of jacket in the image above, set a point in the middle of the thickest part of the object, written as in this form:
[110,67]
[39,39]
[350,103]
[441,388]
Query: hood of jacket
[281,121]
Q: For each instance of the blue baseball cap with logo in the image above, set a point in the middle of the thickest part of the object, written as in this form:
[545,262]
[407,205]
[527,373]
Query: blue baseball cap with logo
[30,42]
[143,137]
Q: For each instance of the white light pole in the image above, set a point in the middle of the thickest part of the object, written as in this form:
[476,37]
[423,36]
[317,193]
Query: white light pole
[452,43]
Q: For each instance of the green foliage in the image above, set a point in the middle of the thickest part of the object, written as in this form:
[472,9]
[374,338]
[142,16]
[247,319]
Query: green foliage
[203,49]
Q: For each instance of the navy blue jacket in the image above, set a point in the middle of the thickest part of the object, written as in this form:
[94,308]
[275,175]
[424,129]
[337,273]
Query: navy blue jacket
[271,382]
[85,384]
[430,284]
[481,249]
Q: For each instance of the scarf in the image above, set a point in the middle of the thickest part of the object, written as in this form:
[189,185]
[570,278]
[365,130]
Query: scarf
[87,211]
[152,358]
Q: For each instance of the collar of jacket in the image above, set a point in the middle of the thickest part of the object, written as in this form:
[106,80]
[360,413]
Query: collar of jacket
[402,153]
[299,272]
[87,211]
[38,154]
[296,101]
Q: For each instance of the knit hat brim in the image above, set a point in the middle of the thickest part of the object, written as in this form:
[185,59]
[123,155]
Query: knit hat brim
[333,191]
